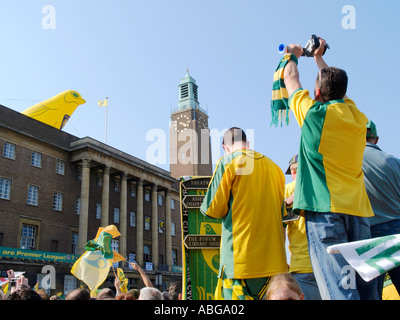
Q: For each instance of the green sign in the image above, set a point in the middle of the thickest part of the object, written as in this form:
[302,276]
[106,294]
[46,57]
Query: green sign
[201,237]
[16,253]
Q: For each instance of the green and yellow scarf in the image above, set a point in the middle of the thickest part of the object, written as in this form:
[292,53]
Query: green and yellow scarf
[280,99]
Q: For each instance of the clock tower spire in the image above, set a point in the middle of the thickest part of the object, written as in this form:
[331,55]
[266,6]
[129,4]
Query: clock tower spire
[190,149]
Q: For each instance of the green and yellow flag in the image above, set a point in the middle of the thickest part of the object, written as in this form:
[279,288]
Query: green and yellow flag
[94,265]
[123,279]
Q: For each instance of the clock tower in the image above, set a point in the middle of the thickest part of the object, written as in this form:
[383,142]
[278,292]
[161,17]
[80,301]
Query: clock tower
[190,148]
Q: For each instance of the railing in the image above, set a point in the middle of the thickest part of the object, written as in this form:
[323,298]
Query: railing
[197,108]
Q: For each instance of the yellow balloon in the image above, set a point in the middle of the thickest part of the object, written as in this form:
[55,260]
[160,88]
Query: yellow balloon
[57,110]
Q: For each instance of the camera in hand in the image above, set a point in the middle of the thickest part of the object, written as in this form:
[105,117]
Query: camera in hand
[312,45]
[13,282]
[309,49]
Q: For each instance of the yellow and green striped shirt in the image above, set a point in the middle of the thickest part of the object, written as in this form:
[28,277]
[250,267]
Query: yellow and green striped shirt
[247,191]
[329,175]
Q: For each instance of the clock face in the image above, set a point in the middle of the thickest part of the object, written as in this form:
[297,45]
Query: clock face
[202,122]
[182,122]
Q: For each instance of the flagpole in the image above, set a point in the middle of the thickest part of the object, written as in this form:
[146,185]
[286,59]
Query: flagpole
[105,139]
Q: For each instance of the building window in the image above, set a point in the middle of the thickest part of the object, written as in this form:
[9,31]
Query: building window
[184,91]
[147,253]
[28,237]
[98,210]
[116,184]
[147,195]
[79,173]
[77,206]
[74,249]
[99,179]
[160,200]
[115,245]
[57,201]
[174,257]
[133,190]
[194,88]
[60,167]
[9,150]
[54,245]
[116,215]
[147,222]
[36,159]
[33,195]
[132,219]
[173,229]
[172,204]
[69,284]
[161,226]
[5,188]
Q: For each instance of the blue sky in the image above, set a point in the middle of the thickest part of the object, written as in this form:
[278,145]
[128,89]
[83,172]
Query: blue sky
[136,52]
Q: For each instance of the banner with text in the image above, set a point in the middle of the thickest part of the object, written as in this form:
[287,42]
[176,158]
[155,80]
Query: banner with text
[201,237]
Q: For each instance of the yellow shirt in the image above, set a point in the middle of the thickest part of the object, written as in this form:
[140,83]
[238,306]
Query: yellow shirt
[298,246]
[246,191]
[329,174]
[390,293]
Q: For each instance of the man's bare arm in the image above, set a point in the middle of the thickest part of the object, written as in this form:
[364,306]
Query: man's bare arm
[292,78]
[291,74]
[147,282]
[319,60]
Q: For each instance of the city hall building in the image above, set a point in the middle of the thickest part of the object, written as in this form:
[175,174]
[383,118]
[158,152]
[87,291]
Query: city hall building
[56,190]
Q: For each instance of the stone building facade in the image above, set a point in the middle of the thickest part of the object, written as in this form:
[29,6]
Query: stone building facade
[56,190]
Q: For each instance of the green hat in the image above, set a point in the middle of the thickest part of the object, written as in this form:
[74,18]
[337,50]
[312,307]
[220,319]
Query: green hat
[293,160]
[371,133]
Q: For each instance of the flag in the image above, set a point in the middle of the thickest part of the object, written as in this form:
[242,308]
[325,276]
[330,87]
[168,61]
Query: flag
[372,257]
[94,265]
[103,103]
[123,279]
[36,287]
[5,288]
[92,268]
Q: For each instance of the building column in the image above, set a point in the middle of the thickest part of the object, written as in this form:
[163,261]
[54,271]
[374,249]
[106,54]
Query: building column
[84,211]
[154,226]
[139,222]
[105,198]
[168,238]
[123,214]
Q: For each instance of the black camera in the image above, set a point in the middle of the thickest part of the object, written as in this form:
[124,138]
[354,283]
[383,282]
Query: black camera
[312,45]
[13,282]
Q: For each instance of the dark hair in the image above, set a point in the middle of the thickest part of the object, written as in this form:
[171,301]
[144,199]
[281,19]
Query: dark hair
[233,135]
[174,290]
[78,294]
[332,83]
[24,294]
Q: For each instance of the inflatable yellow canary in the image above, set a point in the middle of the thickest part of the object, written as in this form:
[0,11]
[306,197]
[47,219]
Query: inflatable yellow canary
[56,111]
